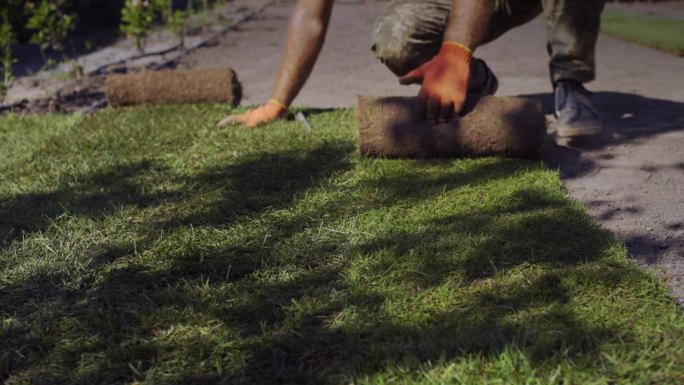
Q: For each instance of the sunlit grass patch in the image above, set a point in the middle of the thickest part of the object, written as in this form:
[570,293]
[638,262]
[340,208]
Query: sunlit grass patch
[148,245]
[656,32]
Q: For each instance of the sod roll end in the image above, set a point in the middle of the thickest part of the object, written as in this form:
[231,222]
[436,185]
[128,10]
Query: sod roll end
[174,87]
[509,127]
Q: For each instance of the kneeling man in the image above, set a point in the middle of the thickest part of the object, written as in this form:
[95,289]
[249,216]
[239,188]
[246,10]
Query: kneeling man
[431,42]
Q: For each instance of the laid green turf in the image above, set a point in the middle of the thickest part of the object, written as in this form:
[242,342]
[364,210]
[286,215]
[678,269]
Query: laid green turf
[656,32]
[146,245]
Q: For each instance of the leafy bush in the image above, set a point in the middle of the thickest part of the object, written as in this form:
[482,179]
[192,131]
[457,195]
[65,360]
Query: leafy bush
[50,22]
[178,23]
[137,17]
[7,60]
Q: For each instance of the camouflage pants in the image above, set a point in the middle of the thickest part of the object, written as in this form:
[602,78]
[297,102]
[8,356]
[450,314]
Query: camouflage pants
[409,32]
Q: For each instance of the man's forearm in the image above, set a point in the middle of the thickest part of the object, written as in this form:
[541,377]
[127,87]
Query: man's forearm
[305,37]
[469,22]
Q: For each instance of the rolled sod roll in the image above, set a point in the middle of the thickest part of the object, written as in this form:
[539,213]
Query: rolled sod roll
[174,87]
[503,126]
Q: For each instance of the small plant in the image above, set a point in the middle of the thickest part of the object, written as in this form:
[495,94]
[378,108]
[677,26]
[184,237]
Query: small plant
[178,23]
[138,16]
[90,45]
[51,24]
[7,59]
[77,71]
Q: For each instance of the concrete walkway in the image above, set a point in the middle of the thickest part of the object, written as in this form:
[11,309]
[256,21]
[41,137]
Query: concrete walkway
[631,178]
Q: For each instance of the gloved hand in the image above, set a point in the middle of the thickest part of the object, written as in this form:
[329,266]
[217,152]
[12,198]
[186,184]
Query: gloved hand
[444,82]
[257,116]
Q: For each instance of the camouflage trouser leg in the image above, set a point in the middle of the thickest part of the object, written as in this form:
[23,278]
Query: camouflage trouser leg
[409,32]
[573,27]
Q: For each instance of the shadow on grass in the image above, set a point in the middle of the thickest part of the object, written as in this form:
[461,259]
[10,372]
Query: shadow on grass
[479,324]
[96,197]
[260,182]
[263,181]
[286,304]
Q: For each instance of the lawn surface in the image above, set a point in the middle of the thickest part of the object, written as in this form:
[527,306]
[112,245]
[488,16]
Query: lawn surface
[656,32]
[146,245]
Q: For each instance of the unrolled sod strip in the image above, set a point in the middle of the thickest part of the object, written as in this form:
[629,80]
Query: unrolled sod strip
[510,127]
[174,87]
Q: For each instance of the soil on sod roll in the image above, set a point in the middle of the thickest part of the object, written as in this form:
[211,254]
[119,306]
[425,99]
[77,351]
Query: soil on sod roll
[510,127]
[174,87]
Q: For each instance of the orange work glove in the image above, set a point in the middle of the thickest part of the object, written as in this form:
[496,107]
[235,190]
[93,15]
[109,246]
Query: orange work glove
[445,82]
[257,116]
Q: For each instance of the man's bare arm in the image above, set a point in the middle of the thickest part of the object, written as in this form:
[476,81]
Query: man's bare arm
[305,37]
[469,22]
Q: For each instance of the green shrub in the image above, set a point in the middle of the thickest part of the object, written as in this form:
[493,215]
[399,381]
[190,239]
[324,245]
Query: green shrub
[138,16]
[51,24]
[7,60]
[178,23]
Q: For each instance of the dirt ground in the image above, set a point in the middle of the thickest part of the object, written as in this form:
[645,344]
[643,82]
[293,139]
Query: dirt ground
[631,178]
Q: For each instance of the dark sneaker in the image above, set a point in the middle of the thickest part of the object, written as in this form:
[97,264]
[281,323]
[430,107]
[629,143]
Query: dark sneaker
[574,110]
[488,87]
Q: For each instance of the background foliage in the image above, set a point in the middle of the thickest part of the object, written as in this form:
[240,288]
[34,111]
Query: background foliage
[51,24]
